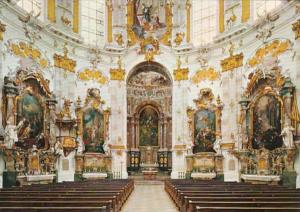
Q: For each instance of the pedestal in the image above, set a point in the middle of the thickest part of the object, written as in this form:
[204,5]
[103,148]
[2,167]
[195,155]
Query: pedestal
[9,179]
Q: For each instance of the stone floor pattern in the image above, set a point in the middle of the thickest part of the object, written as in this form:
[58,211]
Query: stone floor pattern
[149,198]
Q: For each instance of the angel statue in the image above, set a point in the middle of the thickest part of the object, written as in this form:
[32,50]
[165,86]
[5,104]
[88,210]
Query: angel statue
[11,133]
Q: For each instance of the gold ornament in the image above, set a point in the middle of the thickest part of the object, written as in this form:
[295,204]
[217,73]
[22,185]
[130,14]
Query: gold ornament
[117,73]
[232,62]
[274,49]
[205,74]
[63,62]
[179,38]
[25,50]
[119,39]
[93,74]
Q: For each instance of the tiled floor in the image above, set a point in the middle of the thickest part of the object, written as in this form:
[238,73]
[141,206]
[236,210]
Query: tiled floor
[149,198]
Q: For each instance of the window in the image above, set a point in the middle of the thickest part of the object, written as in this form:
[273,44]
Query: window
[262,7]
[204,21]
[31,6]
[92,21]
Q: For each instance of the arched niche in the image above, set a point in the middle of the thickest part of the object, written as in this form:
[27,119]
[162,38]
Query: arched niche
[149,88]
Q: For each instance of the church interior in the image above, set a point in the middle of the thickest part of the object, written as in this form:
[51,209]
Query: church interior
[149,105]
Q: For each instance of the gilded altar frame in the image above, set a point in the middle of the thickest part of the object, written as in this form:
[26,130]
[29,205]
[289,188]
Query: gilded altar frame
[93,100]
[26,82]
[205,101]
[260,93]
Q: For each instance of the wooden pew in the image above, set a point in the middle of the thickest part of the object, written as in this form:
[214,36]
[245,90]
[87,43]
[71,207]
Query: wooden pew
[192,195]
[89,196]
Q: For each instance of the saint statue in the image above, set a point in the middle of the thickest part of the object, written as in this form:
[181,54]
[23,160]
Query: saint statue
[287,135]
[217,146]
[11,133]
[80,147]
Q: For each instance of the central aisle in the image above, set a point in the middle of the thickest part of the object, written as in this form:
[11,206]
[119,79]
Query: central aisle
[149,196]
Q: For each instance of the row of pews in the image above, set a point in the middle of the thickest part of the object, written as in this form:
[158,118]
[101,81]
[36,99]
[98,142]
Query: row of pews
[87,196]
[211,196]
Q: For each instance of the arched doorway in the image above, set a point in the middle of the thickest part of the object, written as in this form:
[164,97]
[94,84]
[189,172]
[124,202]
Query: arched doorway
[149,119]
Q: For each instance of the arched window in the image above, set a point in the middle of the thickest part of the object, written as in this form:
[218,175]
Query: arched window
[204,21]
[262,7]
[31,6]
[92,21]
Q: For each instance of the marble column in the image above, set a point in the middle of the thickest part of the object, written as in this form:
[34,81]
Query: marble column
[11,91]
[51,104]
[244,105]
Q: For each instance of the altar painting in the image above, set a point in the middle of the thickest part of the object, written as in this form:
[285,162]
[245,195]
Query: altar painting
[148,127]
[93,130]
[204,130]
[149,18]
[30,118]
[266,123]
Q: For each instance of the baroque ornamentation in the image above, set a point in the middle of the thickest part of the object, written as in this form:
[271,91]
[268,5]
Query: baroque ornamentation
[119,39]
[24,50]
[296,29]
[93,74]
[205,122]
[180,73]
[179,38]
[65,20]
[117,73]
[234,61]
[64,62]
[205,74]
[2,30]
[274,49]
[149,47]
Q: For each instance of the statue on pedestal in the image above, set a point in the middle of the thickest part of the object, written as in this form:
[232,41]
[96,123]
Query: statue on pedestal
[287,135]
[217,146]
[11,133]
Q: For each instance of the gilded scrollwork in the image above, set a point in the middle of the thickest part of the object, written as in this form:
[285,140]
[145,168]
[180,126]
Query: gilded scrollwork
[25,50]
[205,74]
[117,73]
[64,62]
[180,73]
[232,62]
[93,74]
[273,48]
